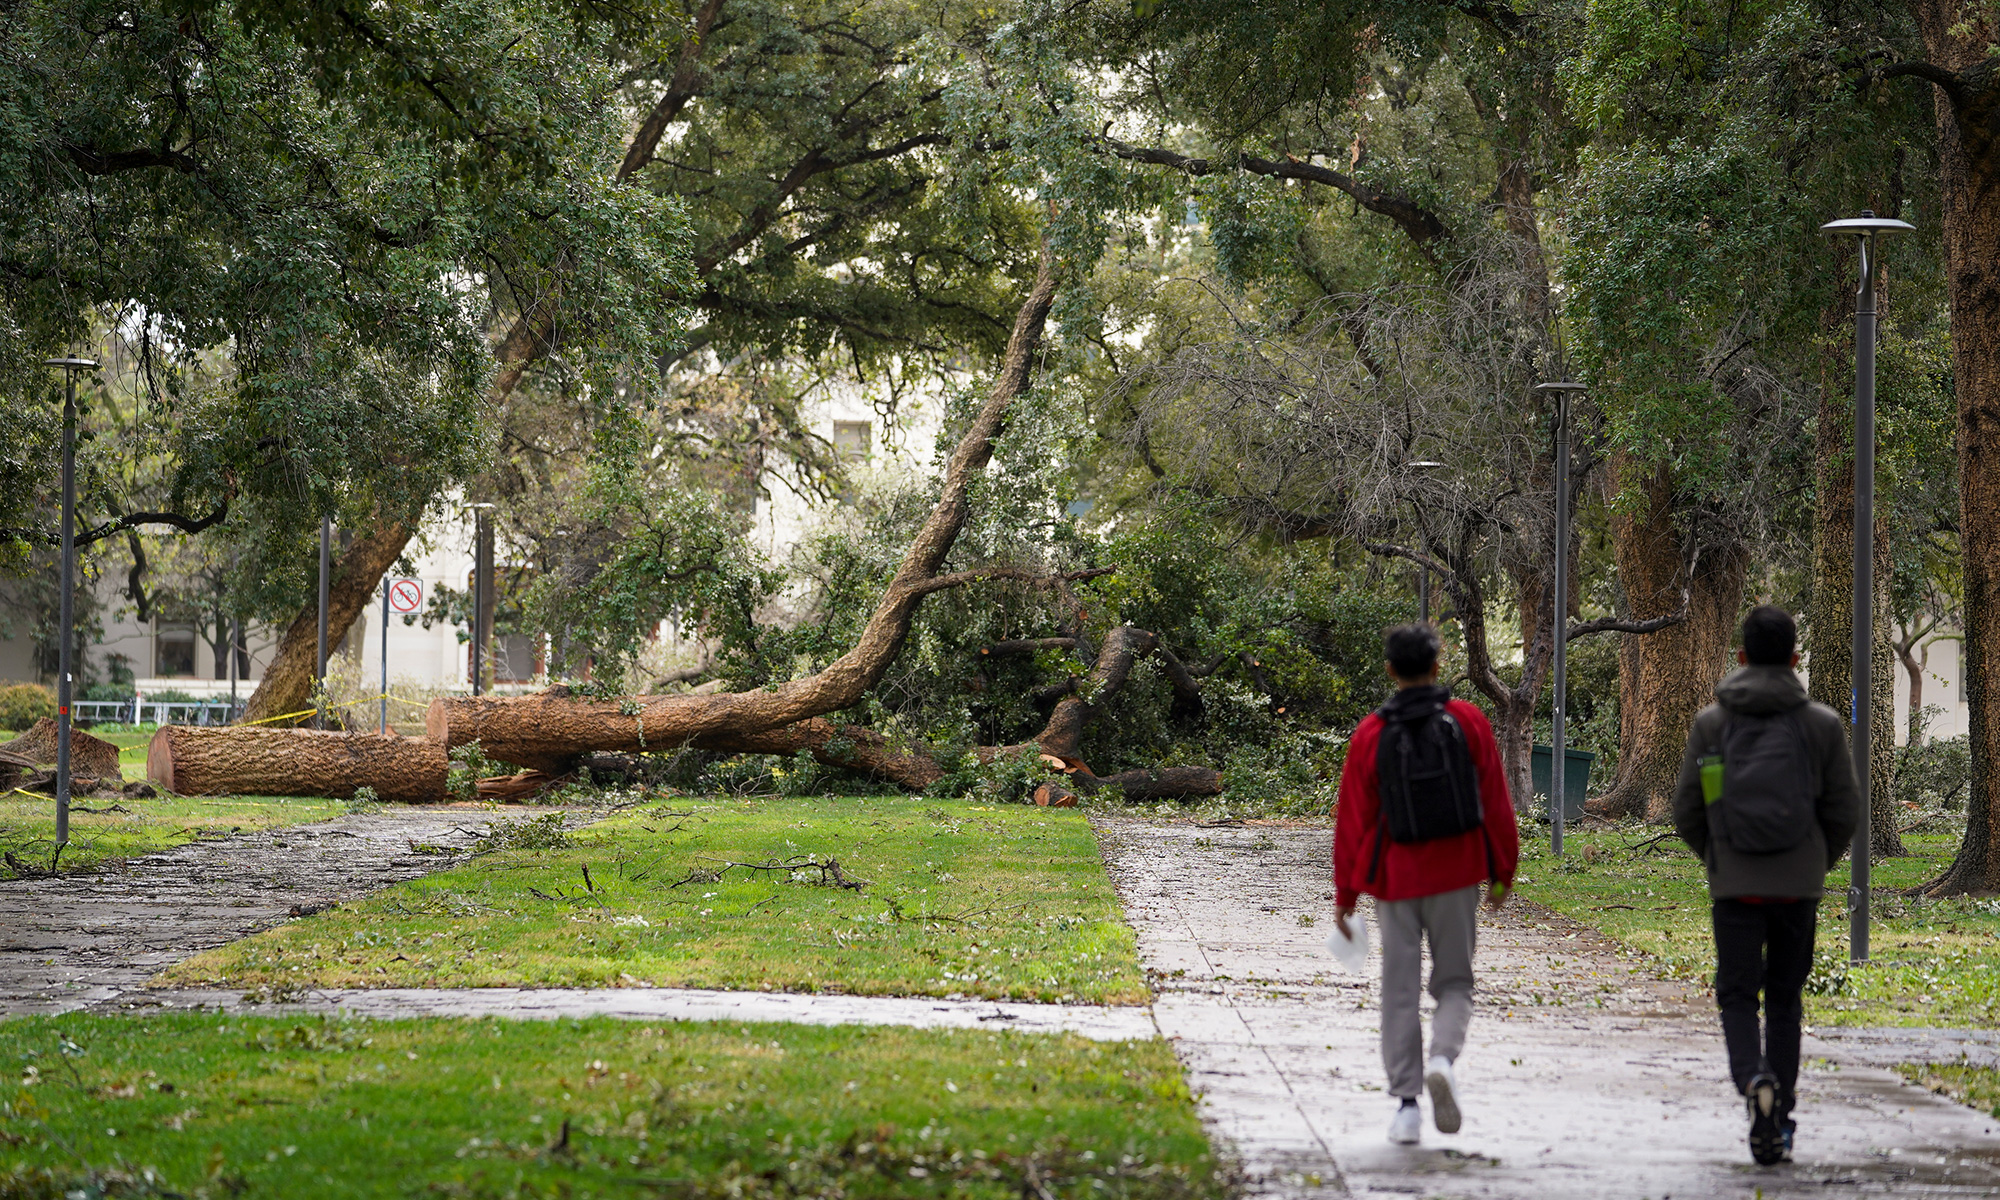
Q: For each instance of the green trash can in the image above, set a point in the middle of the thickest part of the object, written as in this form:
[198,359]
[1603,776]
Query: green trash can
[1576,778]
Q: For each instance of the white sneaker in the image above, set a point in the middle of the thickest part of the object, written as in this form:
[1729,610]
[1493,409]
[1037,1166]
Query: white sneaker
[1406,1128]
[1444,1094]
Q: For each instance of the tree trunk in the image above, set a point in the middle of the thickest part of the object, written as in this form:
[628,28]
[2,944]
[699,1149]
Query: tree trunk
[1969,167]
[1666,677]
[1514,729]
[1914,666]
[845,746]
[1883,839]
[288,682]
[1063,735]
[197,761]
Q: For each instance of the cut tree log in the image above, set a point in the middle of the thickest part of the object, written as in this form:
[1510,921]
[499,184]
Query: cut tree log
[195,760]
[89,757]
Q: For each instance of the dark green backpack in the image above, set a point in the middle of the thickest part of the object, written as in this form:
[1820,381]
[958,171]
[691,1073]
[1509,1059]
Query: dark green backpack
[1760,783]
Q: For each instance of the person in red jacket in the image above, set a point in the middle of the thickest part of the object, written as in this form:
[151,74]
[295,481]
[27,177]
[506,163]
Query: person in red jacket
[1447,828]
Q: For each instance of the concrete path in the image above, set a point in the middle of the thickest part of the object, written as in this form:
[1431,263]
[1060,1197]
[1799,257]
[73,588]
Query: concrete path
[1098,1022]
[1583,1078]
[79,939]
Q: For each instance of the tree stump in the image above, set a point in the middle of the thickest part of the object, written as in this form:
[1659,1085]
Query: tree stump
[89,757]
[223,761]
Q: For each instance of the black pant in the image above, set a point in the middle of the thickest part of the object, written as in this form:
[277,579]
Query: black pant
[1764,947]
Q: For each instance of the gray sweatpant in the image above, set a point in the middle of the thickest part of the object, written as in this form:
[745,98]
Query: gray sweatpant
[1451,919]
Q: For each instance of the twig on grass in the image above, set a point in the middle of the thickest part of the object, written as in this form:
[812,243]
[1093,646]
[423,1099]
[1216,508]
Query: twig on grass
[830,874]
[1648,845]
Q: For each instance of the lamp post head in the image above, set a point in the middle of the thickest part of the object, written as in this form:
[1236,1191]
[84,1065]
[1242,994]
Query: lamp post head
[71,364]
[1867,225]
[1423,464]
[1562,387]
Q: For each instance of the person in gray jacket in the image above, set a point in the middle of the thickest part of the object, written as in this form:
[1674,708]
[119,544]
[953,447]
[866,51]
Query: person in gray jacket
[1767,799]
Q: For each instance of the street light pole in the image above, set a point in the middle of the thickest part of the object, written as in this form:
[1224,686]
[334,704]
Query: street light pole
[66,606]
[1558,749]
[1864,228]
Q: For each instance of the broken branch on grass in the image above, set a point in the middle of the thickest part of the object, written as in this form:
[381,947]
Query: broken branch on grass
[1648,845]
[830,874]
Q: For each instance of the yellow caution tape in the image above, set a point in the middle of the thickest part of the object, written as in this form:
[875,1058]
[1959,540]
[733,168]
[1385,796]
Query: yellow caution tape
[307,712]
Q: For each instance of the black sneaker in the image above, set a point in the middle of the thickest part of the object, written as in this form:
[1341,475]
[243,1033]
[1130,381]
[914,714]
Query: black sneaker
[1788,1129]
[1767,1137]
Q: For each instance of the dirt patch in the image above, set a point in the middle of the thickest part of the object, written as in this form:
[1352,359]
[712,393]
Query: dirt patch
[74,940]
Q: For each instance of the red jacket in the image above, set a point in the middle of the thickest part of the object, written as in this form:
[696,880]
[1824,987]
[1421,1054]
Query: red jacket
[1413,869]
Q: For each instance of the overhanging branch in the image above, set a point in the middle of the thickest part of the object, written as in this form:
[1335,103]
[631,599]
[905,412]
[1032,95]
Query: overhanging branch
[1423,225]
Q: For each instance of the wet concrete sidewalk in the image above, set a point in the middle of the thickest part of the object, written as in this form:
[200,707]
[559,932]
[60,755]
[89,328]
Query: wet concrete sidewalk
[77,940]
[1582,1077]
[1105,1023]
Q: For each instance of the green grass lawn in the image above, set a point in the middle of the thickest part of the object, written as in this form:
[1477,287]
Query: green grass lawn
[1000,902]
[111,828]
[131,745]
[203,1105]
[1934,962]
[1976,1087]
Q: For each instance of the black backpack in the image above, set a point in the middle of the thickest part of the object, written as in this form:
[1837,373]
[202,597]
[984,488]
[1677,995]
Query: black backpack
[1428,785]
[1764,800]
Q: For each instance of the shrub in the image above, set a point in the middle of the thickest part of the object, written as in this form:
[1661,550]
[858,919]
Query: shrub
[25,703]
[1935,774]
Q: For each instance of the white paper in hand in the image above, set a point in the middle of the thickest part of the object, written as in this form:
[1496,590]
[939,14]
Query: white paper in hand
[1350,952]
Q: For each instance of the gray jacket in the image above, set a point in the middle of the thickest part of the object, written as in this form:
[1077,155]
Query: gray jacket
[1800,871]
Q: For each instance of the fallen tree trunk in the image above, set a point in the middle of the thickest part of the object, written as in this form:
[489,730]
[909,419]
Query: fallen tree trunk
[198,761]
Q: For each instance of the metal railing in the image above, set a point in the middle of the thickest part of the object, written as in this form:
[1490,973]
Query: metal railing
[140,710]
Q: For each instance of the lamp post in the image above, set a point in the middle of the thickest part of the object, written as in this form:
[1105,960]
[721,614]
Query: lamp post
[1424,568]
[66,606]
[1864,229]
[482,585]
[1558,750]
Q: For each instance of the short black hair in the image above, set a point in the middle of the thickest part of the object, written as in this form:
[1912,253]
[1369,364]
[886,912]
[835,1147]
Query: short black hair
[1412,650]
[1769,636]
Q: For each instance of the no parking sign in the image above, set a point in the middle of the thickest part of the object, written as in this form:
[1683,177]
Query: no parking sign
[406,595]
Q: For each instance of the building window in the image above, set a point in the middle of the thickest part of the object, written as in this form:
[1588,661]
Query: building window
[173,649]
[850,440]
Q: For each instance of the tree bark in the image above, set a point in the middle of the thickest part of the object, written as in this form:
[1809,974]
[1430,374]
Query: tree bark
[288,681]
[848,747]
[1968,116]
[1914,665]
[194,760]
[545,730]
[1884,838]
[1063,735]
[1664,678]
[1830,628]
